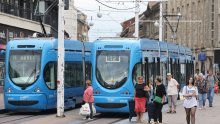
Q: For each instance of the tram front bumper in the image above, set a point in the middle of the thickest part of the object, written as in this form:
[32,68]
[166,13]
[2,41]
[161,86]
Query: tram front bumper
[25,102]
[112,104]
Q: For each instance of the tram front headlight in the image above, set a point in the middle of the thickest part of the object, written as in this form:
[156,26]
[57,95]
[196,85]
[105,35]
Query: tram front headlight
[9,90]
[37,90]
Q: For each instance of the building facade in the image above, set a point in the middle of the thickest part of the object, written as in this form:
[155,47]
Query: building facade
[18,19]
[147,29]
[82,26]
[198,29]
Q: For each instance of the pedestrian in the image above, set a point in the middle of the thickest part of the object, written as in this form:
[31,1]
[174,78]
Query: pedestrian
[197,73]
[202,89]
[140,98]
[211,81]
[190,92]
[159,98]
[172,92]
[88,98]
[196,78]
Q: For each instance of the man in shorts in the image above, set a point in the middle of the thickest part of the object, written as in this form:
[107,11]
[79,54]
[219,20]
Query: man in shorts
[172,92]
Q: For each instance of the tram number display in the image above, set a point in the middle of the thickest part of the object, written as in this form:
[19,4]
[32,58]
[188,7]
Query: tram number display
[112,58]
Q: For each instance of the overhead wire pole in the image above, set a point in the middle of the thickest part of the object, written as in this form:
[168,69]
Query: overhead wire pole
[60,64]
[161,22]
[136,34]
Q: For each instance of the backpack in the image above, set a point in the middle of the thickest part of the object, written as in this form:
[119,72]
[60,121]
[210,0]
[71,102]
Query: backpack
[204,88]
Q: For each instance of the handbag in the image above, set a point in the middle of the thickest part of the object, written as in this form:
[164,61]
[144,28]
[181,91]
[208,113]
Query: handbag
[84,110]
[157,99]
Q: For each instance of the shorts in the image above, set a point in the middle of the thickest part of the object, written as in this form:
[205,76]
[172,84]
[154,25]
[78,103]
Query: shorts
[172,100]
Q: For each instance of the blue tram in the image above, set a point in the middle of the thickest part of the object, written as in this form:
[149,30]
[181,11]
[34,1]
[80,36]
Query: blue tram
[31,73]
[118,63]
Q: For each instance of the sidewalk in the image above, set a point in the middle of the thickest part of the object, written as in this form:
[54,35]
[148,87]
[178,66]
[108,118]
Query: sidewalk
[206,116]
[210,115]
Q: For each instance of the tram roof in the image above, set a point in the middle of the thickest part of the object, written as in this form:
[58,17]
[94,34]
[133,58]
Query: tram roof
[40,42]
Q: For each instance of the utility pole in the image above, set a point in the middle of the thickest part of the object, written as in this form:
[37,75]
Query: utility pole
[60,66]
[136,34]
[161,22]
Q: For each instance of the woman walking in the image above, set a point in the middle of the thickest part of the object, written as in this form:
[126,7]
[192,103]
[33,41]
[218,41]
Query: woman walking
[88,98]
[140,98]
[190,92]
[159,100]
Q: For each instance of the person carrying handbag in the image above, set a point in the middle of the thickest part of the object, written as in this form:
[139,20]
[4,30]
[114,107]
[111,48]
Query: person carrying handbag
[159,97]
[88,98]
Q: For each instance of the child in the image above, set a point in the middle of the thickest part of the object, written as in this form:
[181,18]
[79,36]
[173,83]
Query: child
[216,88]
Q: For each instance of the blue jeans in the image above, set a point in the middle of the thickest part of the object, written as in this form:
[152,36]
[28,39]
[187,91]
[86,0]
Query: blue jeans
[210,96]
[202,99]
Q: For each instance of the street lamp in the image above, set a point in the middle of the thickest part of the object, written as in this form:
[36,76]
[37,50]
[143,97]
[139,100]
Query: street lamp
[99,14]
[174,34]
[156,23]
[171,27]
[91,23]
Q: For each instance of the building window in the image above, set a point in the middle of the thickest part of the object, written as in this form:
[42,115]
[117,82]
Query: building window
[213,16]
[178,9]
[212,25]
[212,34]
[213,7]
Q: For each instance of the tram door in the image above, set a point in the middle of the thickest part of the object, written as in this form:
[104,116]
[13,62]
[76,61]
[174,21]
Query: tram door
[151,70]
[163,72]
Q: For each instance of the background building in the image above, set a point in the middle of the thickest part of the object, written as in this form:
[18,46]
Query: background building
[147,29]
[82,26]
[18,19]
[198,29]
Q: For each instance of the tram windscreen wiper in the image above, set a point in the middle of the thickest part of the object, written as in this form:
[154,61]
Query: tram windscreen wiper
[30,76]
[32,72]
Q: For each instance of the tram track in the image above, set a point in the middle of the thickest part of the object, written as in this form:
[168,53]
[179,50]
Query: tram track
[107,119]
[19,117]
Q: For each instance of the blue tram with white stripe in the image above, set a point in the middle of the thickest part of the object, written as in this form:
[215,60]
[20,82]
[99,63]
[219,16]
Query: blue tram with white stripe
[31,73]
[118,62]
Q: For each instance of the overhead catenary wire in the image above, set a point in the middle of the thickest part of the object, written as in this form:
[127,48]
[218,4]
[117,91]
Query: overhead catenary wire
[114,7]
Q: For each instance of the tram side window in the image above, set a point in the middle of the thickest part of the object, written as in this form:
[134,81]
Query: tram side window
[78,75]
[69,75]
[183,73]
[50,75]
[136,72]
[74,74]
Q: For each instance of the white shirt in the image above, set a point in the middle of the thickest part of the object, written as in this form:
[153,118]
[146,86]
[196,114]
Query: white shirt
[189,102]
[172,87]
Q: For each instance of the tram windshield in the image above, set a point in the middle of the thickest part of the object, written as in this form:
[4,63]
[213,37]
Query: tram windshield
[24,66]
[112,68]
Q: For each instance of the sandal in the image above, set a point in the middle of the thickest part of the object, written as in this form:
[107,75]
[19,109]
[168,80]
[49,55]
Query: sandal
[174,111]
[169,112]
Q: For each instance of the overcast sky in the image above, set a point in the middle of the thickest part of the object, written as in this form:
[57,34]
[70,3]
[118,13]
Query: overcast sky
[109,25]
